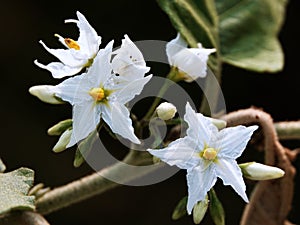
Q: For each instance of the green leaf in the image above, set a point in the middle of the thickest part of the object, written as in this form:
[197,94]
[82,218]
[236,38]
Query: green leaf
[216,209]
[245,32]
[180,209]
[14,187]
[2,166]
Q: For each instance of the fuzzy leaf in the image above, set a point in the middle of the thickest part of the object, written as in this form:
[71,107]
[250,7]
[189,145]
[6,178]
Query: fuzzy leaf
[14,187]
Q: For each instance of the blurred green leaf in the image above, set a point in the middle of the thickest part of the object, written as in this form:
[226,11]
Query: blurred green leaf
[244,31]
[216,209]
[14,187]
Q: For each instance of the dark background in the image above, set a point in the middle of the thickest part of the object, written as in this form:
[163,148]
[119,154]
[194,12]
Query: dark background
[24,119]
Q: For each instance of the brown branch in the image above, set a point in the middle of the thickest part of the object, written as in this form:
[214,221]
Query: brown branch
[270,202]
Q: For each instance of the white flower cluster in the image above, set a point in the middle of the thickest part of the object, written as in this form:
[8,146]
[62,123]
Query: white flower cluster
[103,81]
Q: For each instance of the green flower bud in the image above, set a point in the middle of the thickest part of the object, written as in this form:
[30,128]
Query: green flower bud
[199,210]
[166,111]
[180,209]
[45,94]
[258,171]
[60,127]
[63,141]
[216,209]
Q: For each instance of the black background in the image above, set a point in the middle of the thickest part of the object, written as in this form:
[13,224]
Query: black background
[24,119]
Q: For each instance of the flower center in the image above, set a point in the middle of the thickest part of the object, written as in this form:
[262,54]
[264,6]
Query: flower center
[72,44]
[98,94]
[209,154]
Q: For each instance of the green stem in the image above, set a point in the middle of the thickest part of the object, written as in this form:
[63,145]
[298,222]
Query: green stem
[161,93]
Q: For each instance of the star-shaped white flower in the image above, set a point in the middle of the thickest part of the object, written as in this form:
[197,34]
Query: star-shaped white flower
[191,62]
[98,93]
[207,153]
[79,54]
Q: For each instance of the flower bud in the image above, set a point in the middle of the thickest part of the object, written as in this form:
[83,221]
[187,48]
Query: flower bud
[60,127]
[180,209]
[63,141]
[220,124]
[199,210]
[45,93]
[258,171]
[166,111]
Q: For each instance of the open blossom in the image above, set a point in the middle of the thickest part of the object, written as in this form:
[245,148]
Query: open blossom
[99,94]
[79,54]
[206,154]
[191,62]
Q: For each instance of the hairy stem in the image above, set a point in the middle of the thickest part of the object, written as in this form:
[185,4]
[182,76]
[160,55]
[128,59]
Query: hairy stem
[94,184]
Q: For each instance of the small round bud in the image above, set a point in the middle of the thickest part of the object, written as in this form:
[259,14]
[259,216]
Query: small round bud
[166,111]
[45,93]
[258,171]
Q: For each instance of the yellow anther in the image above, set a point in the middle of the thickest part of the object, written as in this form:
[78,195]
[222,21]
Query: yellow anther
[209,154]
[97,94]
[72,44]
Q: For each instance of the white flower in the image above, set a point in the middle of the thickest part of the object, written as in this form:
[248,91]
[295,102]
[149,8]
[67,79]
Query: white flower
[79,54]
[129,62]
[206,154]
[191,62]
[98,93]
[166,111]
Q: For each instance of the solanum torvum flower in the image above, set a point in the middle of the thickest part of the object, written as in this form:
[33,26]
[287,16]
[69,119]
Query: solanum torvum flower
[191,63]
[78,55]
[207,153]
[99,94]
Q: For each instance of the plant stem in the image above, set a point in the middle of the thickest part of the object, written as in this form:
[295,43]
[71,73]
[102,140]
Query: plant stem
[93,184]
[288,130]
[161,93]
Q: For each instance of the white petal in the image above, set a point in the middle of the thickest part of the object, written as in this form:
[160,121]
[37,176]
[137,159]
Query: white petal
[88,40]
[132,88]
[127,55]
[100,71]
[117,117]
[192,61]
[232,141]
[85,120]
[59,70]
[132,72]
[70,57]
[231,174]
[199,183]
[173,47]
[200,128]
[180,153]
[74,90]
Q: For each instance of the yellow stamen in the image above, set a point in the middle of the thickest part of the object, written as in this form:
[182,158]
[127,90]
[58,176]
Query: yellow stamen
[72,44]
[97,94]
[209,154]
